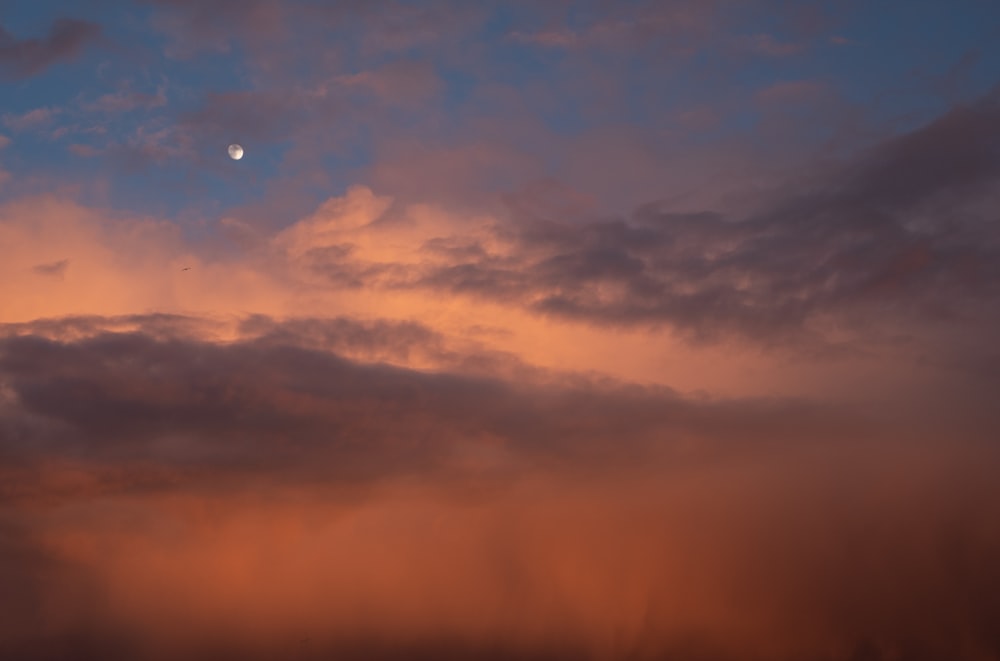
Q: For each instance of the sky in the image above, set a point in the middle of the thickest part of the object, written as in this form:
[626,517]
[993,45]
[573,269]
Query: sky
[576,330]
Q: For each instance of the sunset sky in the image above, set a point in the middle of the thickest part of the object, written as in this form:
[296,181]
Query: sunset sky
[550,330]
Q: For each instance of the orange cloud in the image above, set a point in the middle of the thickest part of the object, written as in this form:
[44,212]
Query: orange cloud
[769,558]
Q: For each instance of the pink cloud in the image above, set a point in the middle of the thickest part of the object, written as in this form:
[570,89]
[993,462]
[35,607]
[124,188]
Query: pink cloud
[402,82]
[562,38]
[66,39]
[700,118]
[125,100]
[85,151]
[766,44]
[30,119]
[194,27]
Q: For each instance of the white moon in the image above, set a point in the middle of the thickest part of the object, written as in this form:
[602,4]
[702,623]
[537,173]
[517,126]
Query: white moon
[235,152]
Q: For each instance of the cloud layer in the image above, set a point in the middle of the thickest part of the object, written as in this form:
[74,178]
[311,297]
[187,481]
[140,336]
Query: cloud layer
[328,503]
[565,330]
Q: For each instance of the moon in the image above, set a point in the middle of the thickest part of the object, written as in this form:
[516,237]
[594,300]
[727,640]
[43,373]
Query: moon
[235,152]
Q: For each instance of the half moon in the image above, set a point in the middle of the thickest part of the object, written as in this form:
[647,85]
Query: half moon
[235,152]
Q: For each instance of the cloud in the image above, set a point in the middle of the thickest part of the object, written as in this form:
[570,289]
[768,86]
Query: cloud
[84,151]
[30,119]
[867,239]
[792,92]
[67,38]
[57,269]
[766,44]
[250,115]
[126,100]
[843,261]
[153,142]
[401,82]
[392,27]
[290,31]
[273,482]
[700,118]
[467,407]
[132,265]
[292,399]
[195,27]
[563,38]
[459,459]
[680,26]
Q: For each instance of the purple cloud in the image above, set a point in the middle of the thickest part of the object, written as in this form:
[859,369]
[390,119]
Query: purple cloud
[67,39]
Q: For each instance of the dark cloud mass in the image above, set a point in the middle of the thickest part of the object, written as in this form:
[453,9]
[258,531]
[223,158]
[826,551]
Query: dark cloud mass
[20,58]
[119,395]
[905,232]
[834,532]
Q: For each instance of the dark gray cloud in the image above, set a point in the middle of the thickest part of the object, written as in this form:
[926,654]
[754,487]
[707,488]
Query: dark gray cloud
[54,269]
[273,404]
[861,529]
[145,391]
[891,228]
[67,38]
[904,232]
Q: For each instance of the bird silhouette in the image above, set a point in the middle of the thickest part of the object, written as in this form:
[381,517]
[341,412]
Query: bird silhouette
[186,268]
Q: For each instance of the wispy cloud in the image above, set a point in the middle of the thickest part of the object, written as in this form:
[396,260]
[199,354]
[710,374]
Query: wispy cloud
[792,92]
[563,38]
[766,44]
[56,269]
[67,38]
[85,151]
[31,119]
[126,100]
